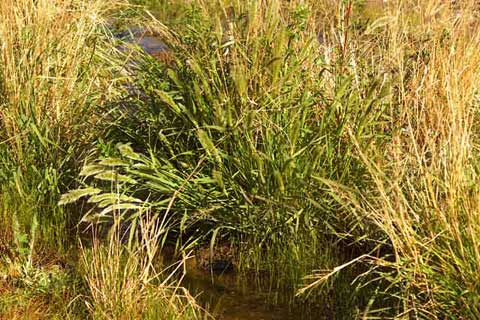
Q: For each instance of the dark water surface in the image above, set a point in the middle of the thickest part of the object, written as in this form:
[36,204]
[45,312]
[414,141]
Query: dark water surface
[228,297]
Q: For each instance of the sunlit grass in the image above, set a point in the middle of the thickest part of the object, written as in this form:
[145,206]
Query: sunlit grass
[424,197]
[334,139]
[127,281]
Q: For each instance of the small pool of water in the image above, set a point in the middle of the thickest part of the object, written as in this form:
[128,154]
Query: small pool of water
[228,297]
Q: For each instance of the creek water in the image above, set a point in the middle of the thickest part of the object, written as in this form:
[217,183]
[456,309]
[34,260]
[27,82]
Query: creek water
[229,297]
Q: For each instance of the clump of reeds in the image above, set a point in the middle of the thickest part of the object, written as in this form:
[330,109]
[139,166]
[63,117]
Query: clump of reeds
[241,127]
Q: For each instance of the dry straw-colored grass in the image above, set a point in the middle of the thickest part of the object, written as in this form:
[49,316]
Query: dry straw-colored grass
[126,279]
[51,73]
[425,198]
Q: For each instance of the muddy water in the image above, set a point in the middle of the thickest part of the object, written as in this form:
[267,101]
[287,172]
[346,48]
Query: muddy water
[149,43]
[229,298]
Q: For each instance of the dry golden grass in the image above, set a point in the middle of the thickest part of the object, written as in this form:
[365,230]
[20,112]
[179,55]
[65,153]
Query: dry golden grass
[50,74]
[425,198]
[126,279]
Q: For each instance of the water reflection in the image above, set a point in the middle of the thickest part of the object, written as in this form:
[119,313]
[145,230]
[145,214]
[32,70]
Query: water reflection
[148,42]
[230,298]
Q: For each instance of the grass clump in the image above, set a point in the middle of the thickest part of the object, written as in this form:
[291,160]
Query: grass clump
[52,79]
[423,197]
[430,194]
[123,281]
[241,128]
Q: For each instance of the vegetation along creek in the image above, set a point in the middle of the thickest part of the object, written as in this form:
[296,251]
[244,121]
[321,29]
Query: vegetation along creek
[239,159]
